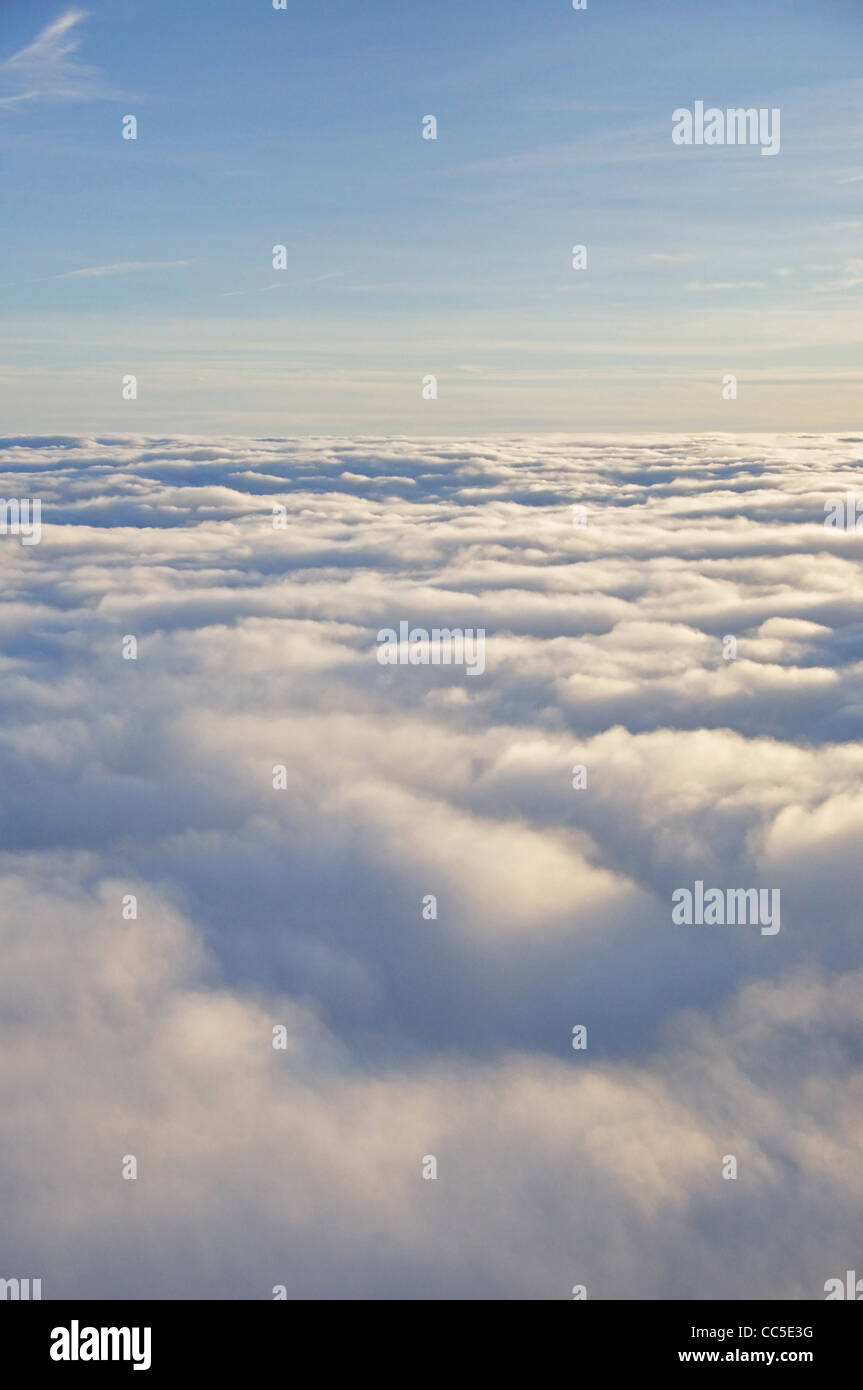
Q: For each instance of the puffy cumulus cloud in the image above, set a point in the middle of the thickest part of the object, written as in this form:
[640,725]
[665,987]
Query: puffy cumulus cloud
[605,647]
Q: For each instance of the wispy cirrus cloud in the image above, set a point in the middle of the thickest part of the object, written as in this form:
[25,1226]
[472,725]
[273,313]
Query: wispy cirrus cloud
[98,272]
[851,277]
[696,285]
[48,67]
[293,285]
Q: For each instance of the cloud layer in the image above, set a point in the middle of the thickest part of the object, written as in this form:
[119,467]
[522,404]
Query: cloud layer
[302,907]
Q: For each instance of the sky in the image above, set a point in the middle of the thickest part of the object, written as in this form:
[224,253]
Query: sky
[197,723]
[409,258]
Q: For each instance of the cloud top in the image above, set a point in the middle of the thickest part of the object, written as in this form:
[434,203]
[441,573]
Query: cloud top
[254,576]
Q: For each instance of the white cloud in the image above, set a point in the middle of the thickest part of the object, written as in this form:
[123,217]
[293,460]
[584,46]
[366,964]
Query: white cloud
[725,285]
[48,67]
[410,1036]
[97,272]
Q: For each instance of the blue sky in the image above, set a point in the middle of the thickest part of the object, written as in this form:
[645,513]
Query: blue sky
[409,257]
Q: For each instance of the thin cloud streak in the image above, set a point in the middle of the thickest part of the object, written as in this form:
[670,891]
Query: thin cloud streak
[48,69]
[95,272]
